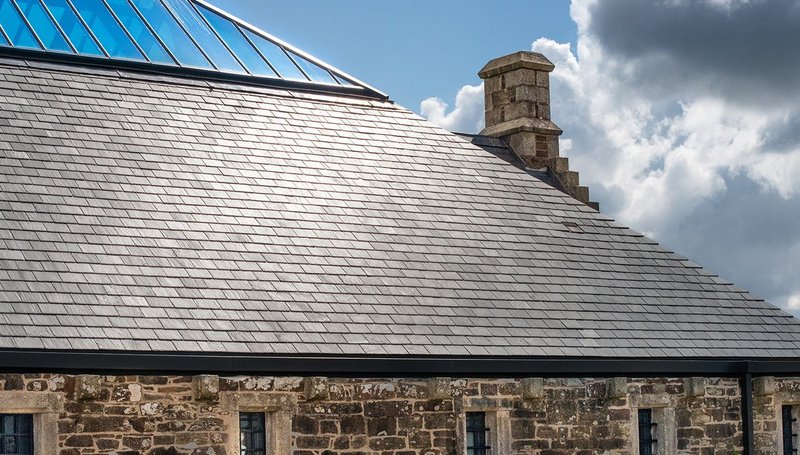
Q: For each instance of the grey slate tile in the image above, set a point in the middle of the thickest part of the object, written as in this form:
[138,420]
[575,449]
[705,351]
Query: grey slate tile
[141,215]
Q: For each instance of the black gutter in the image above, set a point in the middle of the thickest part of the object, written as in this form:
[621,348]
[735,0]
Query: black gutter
[31,361]
[189,73]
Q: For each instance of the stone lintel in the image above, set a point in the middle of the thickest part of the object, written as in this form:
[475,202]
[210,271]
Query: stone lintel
[695,387]
[532,388]
[439,388]
[523,125]
[316,388]
[522,59]
[616,387]
[206,387]
[764,385]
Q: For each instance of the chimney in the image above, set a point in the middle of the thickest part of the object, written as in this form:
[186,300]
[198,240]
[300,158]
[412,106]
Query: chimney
[517,90]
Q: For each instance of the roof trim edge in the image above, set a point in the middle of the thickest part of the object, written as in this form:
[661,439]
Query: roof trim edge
[385,366]
[79,60]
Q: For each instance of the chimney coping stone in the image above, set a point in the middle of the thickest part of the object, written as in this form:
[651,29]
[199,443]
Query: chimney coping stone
[530,125]
[511,62]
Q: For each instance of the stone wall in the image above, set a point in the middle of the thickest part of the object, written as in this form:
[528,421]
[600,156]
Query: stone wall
[157,415]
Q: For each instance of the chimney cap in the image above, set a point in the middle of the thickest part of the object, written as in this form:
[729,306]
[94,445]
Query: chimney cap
[517,60]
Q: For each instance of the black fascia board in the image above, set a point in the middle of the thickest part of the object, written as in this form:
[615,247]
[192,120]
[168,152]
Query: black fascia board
[77,61]
[151,363]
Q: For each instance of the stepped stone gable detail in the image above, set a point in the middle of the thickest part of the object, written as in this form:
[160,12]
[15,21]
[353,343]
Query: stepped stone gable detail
[395,416]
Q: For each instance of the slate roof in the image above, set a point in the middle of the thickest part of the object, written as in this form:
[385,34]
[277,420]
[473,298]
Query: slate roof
[144,213]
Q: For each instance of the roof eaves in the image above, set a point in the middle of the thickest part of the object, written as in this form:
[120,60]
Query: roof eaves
[387,366]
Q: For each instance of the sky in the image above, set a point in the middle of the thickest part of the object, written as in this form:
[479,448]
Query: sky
[682,116]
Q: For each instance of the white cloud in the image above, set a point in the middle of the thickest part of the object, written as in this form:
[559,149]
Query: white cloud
[467,116]
[794,302]
[675,139]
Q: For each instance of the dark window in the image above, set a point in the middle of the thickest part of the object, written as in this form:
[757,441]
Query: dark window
[789,436]
[16,434]
[647,428]
[477,434]
[253,435]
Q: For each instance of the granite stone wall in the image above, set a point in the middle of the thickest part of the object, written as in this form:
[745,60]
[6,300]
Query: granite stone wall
[158,415]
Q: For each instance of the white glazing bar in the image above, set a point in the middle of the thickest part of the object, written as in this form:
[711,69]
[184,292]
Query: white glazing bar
[58,26]
[185,30]
[153,32]
[288,46]
[124,29]
[88,29]
[30,27]
[219,37]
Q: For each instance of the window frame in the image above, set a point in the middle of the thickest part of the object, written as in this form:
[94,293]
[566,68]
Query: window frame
[17,433]
[485,446]
[497,418]
[278,409]
[647,431]
[262,434]
[44,407]
[662,408]
[790,425]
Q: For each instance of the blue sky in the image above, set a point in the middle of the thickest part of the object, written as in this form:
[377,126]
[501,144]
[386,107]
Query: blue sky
[411,49]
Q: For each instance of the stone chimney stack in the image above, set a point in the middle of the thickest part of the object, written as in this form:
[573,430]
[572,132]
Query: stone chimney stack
[517,90]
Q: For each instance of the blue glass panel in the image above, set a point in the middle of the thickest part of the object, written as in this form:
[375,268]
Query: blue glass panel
[345,82]
[51,37]
[171,34]
[277,57]
[139,31]
[314,71]
[204,36]
[18,32]
[3,40]
[72,26]
[238,44]
[106,29]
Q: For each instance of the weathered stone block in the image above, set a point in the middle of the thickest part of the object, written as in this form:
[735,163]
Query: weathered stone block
[616,387]
[88,387]
[79,441]
[316,388]
[353,424]
[206,387]
[764,385]
[532,388]
[439,388]
[695,387]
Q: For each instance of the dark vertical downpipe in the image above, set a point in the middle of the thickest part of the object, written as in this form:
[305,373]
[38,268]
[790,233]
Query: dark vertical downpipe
[747,413]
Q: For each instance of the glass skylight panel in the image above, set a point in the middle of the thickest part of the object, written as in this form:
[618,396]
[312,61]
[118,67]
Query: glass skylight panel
[277,57]
[204,36]
[44,26]
[131,20]
[233,37]
[171,33]
[107,30]
[72,27]
[15,27]
[314,72]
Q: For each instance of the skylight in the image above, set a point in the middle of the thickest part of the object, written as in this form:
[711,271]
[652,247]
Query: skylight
[191,34]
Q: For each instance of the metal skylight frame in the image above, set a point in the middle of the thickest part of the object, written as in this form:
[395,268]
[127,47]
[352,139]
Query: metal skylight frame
[193,21]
